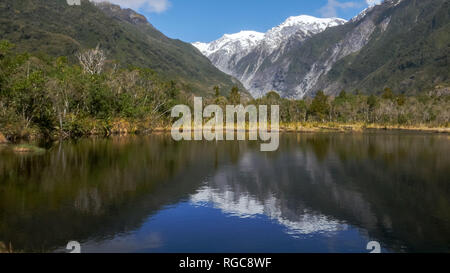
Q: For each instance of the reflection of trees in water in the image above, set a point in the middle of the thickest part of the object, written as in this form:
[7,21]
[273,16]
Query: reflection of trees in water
[320,146]
[393,185]
[96,187]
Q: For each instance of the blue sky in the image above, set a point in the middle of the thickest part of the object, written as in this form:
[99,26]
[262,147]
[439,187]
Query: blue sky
[207,20]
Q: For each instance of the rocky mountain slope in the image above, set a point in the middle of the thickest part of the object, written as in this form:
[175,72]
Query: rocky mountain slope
[401,44]
[227,51]
[53,27]
[243,54]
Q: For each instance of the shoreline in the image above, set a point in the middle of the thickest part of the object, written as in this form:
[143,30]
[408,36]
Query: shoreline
[283,128]
[366,128]
[334,127]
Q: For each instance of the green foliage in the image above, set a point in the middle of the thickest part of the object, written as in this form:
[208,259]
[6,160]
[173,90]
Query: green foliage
[273,96]
[234,97]
[401,100]
[319,107]
[372,102]
[216,91]
[411,59]
[431,109]
[54,28]
[51,96]
[388,94]
[342,95]
[56,97]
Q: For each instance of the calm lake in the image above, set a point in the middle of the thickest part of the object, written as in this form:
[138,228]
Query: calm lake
[317,193]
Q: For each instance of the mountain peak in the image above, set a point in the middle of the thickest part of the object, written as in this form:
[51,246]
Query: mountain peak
[247,39]
[125,14]
[241,41]
[306,25]
[228,51]
[245,34]
[310,20]
[362,14]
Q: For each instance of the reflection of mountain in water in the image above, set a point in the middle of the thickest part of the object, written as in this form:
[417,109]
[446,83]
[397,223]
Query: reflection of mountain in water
[291,188]
[93,189]
[245,206]
[391,186]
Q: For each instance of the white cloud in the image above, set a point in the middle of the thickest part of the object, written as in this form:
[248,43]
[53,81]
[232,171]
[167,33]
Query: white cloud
[156,6]
[333,6]
[372,3]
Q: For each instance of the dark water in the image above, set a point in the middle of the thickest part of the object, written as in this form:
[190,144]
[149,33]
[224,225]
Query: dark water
[317,193]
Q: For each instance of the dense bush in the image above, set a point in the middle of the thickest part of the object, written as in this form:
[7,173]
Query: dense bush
[428,109]
[50,96]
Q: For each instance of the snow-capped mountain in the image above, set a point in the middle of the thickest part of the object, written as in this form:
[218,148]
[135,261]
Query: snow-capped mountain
[393,43]
[304,25]
[241,54]
[231,42]
[228,50]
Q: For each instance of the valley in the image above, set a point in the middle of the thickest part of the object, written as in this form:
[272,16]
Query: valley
[317,135]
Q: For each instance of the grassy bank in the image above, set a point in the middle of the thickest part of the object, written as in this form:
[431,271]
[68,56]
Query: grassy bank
[124,127]
[356,127]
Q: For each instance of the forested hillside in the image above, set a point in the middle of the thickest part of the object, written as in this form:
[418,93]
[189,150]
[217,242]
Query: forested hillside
[54,28]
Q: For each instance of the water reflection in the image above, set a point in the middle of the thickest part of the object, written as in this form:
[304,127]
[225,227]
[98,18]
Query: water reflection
[244,206]
[317,193]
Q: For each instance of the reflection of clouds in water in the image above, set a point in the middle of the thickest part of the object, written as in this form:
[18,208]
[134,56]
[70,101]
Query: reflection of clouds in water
[245,206]
[231,190]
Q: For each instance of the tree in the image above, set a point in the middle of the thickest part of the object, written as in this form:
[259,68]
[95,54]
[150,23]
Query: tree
[298,110]
[342,95]
[216,91]
[401,100]
[372,103]
[272,98]
[319,106]
[388,94]
[5,47]
[235,96]
[273,95]
[92,60]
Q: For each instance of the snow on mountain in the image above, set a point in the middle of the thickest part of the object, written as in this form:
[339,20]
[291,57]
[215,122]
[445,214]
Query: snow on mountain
[362,14]
[305,24]
[247,40]
[241,54]
[231,43]
[296,61]
[372,5]
[230,48]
